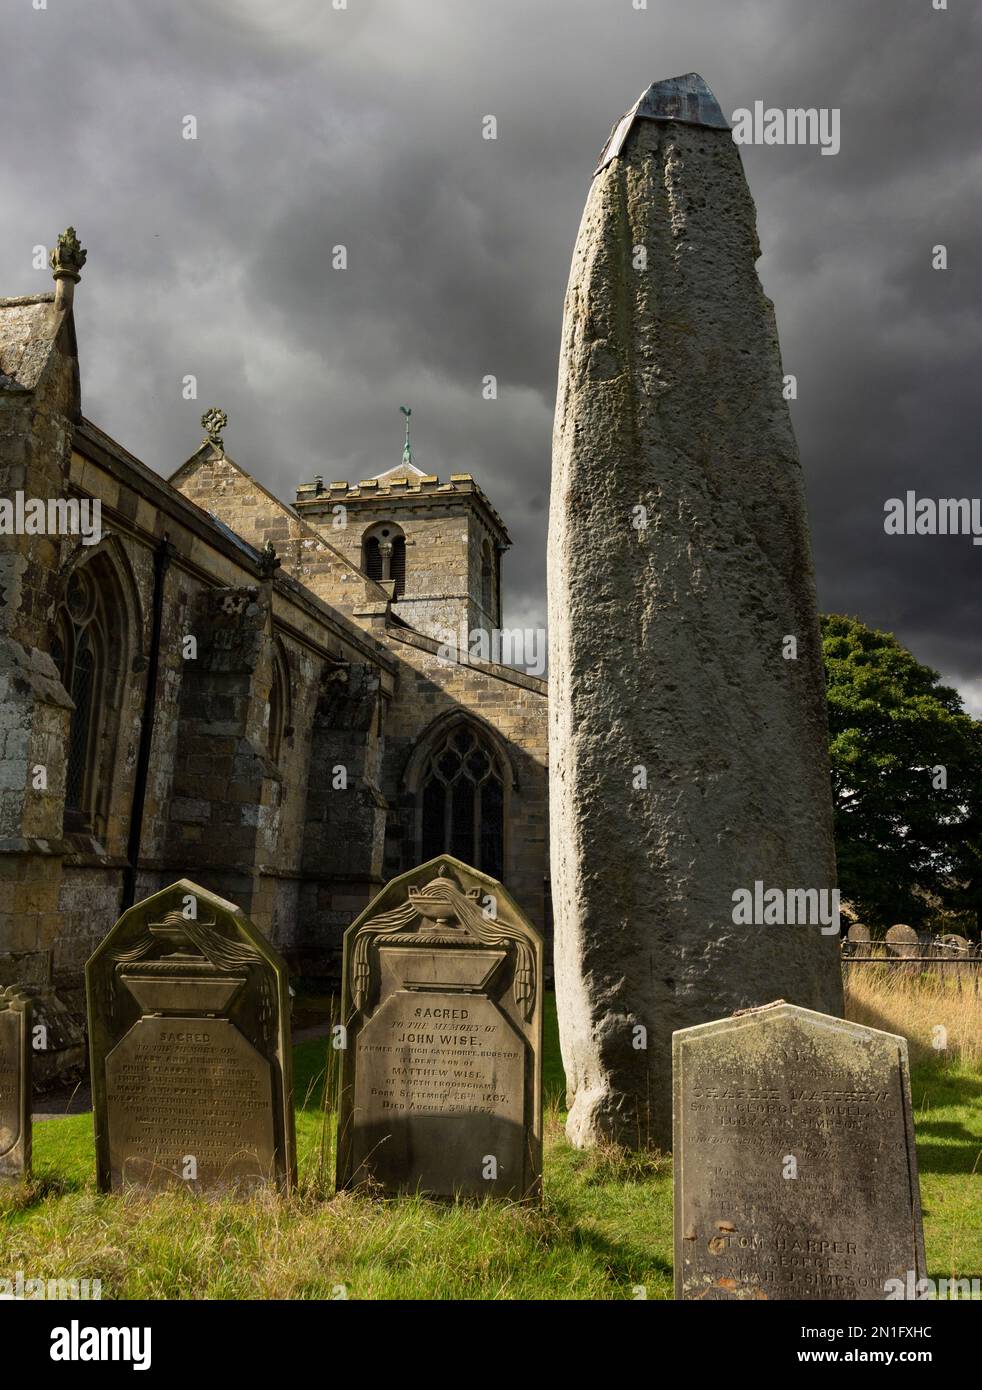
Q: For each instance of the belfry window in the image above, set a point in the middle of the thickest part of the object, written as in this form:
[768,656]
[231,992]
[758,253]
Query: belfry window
[384,556]
[373,558]
[398,565]
[463,804]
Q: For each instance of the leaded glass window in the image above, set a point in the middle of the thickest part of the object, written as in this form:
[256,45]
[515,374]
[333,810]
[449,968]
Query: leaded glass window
[462,794]
[79,651]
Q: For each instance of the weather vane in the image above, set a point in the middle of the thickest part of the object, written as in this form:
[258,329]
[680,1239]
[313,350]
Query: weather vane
[407,453]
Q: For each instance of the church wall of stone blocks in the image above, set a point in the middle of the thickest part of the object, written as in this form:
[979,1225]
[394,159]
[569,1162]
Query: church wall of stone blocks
[253,695]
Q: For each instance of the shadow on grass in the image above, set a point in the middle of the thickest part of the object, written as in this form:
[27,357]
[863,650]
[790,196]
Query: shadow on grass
[625,1263]
[631,1266]
[946,1145]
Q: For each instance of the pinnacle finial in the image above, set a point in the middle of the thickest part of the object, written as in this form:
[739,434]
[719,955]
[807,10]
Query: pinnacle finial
[68,257]
[269,561]
[407,453]
[214,421]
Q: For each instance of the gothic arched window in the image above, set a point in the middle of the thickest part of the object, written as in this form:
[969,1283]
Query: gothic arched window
[83,654]
[384,555]
[463,801]
[278,711]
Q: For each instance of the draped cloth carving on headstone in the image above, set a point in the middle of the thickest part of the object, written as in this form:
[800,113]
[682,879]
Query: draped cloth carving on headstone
[441,1088]
[464,914]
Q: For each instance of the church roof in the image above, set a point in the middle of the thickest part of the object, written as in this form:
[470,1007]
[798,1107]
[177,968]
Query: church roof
[254,555]
[400,470]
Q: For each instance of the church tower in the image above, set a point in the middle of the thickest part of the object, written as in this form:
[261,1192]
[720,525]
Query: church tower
[436,547]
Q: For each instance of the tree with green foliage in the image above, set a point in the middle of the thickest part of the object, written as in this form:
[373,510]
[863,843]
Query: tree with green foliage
[906,779]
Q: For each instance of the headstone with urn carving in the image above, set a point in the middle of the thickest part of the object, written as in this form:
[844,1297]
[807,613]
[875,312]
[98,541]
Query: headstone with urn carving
[441,1087]
[190,1049]
[15,1082]
[795,1167]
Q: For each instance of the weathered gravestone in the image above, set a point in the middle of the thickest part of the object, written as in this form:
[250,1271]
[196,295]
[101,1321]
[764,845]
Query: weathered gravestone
[15,1083]
[903,940]
[957,947]
[441,1087]
[795,1169]
[858,941]
[688,741]
[947,952]
[190,1049]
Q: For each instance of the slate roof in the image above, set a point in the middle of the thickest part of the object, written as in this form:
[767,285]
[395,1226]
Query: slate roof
[236,539]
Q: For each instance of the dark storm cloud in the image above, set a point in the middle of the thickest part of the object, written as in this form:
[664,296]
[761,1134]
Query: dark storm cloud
[363,127]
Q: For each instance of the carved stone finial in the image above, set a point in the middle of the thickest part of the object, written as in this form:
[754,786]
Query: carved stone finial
[214,421]
[68,257]
[269,561]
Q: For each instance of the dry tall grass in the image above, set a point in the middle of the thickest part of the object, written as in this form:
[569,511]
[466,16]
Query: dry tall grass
[940,1013]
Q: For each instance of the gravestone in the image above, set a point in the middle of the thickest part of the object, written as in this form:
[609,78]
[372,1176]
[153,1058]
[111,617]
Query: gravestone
[795,1169]
[15,1083]
[190,1049]
[902,940]
[441,1078]
[688,738]
[949,951]
[858,940]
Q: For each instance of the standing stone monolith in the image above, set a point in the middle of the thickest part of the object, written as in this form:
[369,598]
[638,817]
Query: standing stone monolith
[15,1082]
[688,735]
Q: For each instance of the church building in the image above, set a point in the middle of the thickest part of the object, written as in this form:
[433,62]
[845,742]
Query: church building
[218,685]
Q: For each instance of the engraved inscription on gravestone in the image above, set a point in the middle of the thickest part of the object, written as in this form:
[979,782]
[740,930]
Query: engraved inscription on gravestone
[190,1049]
[15,1082]
[441,1078]
[795,1170]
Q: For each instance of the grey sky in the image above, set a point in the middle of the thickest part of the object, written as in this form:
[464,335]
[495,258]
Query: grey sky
[363,126]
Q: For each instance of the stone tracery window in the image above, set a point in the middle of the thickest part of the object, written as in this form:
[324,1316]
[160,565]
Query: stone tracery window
[81,651]
[278,712]
[463,801]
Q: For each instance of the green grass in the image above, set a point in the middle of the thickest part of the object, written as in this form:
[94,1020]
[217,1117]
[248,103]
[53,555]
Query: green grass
[604,1230]
[948,1126]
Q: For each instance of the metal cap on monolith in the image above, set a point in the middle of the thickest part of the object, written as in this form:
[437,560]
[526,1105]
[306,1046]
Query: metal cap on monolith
[687,98]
